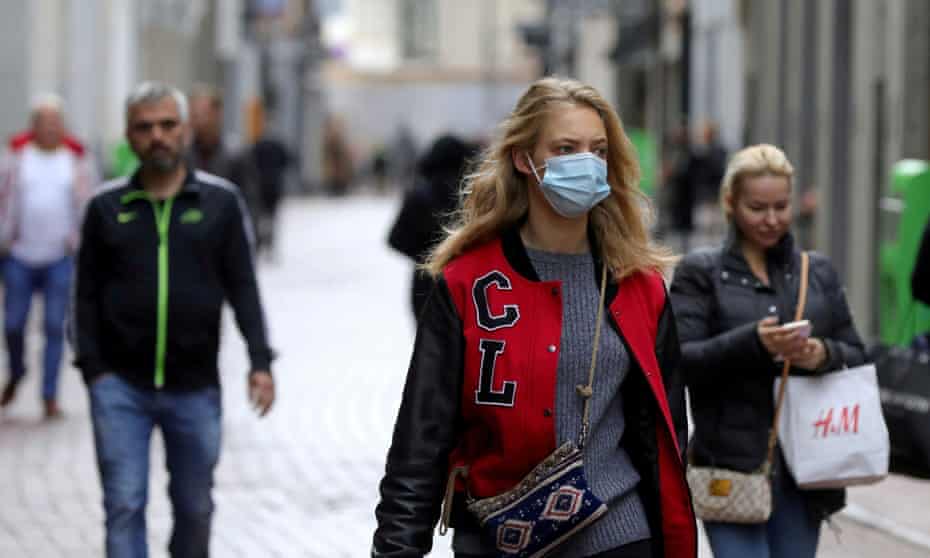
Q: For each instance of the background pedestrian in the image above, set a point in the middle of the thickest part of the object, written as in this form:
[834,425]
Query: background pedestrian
[272,159]
[161,252]
[45,179]
[209,151]
[729,302]
[426,207]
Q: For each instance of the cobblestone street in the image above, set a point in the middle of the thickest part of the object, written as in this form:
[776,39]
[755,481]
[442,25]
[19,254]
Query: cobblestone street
[303,481]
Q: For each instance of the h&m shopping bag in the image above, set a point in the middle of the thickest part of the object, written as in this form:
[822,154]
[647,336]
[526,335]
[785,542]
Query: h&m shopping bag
[832,430]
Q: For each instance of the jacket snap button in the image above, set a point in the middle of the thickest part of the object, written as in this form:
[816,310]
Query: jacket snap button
[551,348]
[724,275]
[745,280]
[547,412]
[772,309]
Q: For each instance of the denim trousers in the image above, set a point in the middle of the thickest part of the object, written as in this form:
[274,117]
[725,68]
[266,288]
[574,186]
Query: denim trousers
[791,531]
[123,417]
[21,281]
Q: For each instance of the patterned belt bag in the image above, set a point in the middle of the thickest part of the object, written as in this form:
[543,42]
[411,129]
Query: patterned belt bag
[552,503]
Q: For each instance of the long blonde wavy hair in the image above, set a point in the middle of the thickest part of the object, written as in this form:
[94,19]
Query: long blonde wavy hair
[494,197]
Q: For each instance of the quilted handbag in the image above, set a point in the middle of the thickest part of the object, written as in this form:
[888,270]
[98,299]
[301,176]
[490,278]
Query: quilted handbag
[552,503]
[729,496]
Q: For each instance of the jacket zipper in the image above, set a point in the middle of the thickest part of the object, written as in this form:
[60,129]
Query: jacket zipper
[163,223]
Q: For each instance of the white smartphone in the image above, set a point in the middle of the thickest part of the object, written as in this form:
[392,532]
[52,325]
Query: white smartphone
[803,327]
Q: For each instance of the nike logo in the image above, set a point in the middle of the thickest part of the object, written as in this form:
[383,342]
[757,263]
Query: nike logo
[191,216]
[125,217]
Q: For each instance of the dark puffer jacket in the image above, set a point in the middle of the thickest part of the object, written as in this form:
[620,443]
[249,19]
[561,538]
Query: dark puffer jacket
[730,375]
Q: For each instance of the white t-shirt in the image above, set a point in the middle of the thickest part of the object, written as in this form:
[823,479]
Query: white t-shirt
[46,205]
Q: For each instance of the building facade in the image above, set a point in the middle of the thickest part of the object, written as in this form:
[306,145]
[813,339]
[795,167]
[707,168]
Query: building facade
[92,52]
[427,66]
[841,85]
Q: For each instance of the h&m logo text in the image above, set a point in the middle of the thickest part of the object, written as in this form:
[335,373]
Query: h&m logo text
[847,421]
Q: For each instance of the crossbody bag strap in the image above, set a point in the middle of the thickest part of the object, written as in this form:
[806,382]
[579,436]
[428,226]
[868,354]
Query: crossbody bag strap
[586,391]
[802,301]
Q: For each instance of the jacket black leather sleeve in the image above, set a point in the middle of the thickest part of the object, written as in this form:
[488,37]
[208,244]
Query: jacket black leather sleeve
[668,353]
[713,356]
[424,434]
[844,347]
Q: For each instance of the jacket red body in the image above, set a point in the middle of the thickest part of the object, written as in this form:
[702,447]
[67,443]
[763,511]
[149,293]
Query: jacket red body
[502,442]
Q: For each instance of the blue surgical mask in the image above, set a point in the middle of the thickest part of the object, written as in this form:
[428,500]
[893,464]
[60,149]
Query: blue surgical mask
[573,184]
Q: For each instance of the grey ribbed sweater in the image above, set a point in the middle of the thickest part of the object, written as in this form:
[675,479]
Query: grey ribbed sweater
[610,473]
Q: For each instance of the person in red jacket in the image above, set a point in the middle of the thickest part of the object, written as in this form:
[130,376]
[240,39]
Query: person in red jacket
[506,343]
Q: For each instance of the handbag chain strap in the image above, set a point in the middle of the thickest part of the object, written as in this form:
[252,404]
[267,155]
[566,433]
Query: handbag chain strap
[586,391]
[802,301]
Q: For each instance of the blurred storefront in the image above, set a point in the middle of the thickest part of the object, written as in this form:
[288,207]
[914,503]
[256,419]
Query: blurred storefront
[409,70]
[93,51]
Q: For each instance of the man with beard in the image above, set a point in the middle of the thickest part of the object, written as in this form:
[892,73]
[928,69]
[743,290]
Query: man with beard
[160,253]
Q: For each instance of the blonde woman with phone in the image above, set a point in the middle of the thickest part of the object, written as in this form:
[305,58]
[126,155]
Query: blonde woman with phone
[733,305]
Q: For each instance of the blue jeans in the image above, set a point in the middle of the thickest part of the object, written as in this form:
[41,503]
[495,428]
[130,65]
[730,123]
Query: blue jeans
[791,531]
[21,281]
[123,417]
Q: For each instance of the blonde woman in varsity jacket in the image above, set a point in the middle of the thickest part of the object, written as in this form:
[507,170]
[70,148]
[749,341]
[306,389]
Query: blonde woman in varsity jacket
[504,348]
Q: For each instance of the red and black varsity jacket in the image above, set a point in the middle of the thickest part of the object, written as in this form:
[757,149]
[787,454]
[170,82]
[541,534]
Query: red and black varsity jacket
[480,392]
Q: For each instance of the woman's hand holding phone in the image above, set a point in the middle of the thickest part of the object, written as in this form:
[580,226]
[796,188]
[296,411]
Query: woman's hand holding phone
[792,342]
[778,340]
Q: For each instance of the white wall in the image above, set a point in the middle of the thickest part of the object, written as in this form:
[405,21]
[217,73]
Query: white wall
[717,68]
[47,33]
[121,62]
[372,112]
[372,42]
[594,66]
[14,66]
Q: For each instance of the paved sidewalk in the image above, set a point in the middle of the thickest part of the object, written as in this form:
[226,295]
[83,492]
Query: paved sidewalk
[302,482]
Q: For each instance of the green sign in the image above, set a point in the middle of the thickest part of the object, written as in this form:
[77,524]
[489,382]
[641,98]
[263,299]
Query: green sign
[900,316]
[647,150]
[124,161]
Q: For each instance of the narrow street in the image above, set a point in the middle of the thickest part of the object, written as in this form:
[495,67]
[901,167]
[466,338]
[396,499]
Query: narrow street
[302,482]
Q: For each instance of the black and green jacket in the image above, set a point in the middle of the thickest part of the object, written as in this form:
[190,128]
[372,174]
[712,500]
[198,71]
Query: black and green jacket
[151,280]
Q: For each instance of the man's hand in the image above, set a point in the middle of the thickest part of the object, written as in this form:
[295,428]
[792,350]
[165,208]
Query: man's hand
[261,391]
